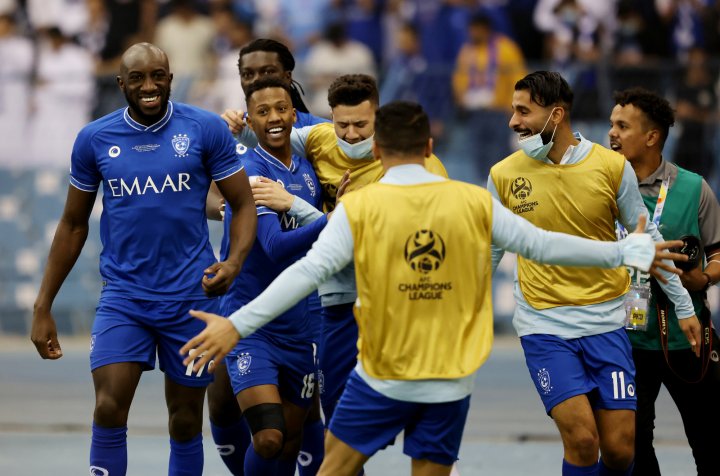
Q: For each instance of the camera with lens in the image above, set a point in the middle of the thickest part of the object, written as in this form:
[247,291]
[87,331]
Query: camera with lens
[691,249]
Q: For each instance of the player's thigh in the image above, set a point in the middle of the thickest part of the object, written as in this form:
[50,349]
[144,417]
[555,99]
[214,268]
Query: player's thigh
[222,404]
[115,386]
[340,458]
[435,432]
[298,372]
[366,420]
[609,362]
[119,334]
[428,468]
[556,367]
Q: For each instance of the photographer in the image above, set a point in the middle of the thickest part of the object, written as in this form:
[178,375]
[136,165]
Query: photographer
[684,207]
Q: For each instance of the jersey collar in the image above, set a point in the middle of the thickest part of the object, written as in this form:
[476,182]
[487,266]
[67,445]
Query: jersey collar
[152,128]
[269,158]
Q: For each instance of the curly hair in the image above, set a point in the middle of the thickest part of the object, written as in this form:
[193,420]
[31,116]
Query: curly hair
[656,108]
[352,89]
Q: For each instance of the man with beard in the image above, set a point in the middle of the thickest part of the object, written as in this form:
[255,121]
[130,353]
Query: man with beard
[571,320]
[156,160]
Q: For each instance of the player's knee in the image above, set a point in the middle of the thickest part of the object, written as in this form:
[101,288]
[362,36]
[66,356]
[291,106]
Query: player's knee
[110,411]
[583,443]
[267,425]
[223,409]
[184,424]
[620,453]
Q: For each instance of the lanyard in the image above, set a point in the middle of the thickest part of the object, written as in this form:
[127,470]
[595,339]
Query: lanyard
[661,201]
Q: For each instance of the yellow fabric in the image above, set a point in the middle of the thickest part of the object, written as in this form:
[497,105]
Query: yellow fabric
[330,163]
[473,69]
[423,272]
[578,199]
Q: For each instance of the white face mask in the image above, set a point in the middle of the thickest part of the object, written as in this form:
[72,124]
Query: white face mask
[358,150]
[533,145]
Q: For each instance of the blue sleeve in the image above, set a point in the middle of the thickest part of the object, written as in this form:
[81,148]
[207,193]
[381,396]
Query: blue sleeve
[84,173]
[221,158]
[282,245]
[307,119]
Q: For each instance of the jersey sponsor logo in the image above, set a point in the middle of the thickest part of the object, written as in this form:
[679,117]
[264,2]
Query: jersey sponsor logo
[288,222]
[543,378]
[145,147]
[310,183]
[98,471]
[181,144]
[120,187]
[243,363]
[521,188]
[424,251]
[114,151]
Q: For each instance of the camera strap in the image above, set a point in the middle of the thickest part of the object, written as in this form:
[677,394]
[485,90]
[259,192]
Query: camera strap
[706,340]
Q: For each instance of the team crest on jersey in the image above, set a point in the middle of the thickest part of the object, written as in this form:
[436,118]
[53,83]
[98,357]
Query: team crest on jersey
[521,188]
[424,251]
[98,471]
[310,183]
[181,144]
[543,377]
[243,363]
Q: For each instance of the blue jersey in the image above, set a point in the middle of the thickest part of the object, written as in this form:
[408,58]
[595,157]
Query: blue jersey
[279,243]
[303,119]
[155,180]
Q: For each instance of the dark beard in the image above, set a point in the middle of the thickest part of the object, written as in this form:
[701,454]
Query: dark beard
[144,119]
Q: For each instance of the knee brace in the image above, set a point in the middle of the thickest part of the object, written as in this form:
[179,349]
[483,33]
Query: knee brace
[265,416]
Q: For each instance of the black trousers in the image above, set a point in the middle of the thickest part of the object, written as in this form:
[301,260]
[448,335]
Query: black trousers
[697,403]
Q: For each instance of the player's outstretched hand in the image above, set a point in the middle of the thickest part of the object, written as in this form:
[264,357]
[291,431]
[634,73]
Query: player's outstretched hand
[235,119]
[663,257]
[218,277]
[693,331]
[212,344]
[342,187]
[44,336]
[271,194]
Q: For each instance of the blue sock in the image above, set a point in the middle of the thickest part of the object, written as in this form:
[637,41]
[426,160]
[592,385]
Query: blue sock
[605,471]
[108,450]
[313,448]
[285,468]
[572,470]
[232,443]
[256,465]
[187,457]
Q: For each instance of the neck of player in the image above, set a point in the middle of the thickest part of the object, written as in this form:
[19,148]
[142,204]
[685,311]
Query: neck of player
[282,153]
[563,139]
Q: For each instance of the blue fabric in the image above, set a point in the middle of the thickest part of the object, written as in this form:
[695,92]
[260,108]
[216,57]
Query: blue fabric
[572,470]
[338,354]
[262,360]
[256,465]
[108,451]
[312,451]
[155,180]
[368,421]
[186,457]
[605,471]
[128,330]
[599,365]
[232,443]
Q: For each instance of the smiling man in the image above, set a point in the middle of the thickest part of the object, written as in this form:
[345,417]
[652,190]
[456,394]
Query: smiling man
[155,160]
[571,320]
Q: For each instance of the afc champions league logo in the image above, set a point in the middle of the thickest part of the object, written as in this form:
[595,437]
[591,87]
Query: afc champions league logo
[521,188]
[425,251]
[181,144]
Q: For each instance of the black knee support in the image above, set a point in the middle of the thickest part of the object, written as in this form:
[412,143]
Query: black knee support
[265,416]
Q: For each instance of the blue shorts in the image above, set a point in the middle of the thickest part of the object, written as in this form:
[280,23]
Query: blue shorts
[600,366]
[368,421]
[338,354]
[261,360]
[129,330]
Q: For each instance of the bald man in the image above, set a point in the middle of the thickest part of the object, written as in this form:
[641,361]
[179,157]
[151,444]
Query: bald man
[155,160]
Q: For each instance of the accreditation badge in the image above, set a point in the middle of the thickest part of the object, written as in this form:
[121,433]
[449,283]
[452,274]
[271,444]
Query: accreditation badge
[637,301]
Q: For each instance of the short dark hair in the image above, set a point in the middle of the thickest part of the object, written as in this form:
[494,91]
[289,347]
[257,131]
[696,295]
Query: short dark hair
[352,89]
[402,127]
[287,60]
[265,83]
[655,107]
[547,88]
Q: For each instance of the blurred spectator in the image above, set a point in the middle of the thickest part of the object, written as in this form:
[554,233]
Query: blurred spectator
[335,55]
[187,37]
[363,21]
[233,34]
[487,68]
[70,16]
[62,99]
[16,67]
[299,23]
[696,113]
[684,18]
